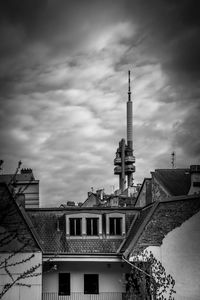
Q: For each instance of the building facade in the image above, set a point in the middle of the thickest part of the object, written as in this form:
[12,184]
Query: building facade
[21,255]
[81,251]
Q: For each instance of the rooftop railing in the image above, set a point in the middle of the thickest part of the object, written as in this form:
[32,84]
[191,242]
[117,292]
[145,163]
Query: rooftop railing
[82,296]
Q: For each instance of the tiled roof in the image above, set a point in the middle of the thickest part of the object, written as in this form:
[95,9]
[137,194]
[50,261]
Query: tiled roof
[177,181]
[54,241]
[85,246]
[162,218]
[50,238]
[136,224]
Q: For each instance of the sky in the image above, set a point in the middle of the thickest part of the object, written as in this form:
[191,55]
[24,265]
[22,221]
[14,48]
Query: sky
[63,89]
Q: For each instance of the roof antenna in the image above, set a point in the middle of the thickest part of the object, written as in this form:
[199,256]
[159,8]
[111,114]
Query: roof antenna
[1,166]
[173,161]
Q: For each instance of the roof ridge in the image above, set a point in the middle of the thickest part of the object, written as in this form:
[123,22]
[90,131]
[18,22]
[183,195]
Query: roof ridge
[173,169]
[142,226]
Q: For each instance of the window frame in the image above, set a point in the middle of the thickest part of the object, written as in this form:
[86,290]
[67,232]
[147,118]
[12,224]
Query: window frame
[123,224]
[83,216]
[67,289]
[94,228]
[89,285]
[117,226]
[74,221]
[196,184]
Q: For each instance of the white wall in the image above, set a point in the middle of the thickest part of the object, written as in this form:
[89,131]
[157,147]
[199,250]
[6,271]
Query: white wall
[19,292]
[180,255]
[110,276]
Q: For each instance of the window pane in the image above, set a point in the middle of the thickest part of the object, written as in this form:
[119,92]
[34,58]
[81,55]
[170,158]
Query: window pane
[92,226]
[91,284]
[112,228]
[64,284]
[118,226]
[71,227]
[95,226]
[115,226]
[78,226]
[75,226]
[89,226]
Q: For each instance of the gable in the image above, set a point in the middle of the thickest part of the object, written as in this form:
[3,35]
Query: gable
[91,200]
[159,191]
[175,181]
[145,194]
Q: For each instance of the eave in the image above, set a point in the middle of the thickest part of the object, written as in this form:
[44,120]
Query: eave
[82,257]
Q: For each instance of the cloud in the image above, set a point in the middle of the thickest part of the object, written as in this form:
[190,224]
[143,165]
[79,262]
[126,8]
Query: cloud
[63,89]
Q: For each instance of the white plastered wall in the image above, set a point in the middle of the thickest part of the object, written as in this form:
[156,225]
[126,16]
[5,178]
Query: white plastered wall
[111,276]
[180,255]
[18,292]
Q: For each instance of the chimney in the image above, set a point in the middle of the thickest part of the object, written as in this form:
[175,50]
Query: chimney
[100,193]
[195,179]
[26,171]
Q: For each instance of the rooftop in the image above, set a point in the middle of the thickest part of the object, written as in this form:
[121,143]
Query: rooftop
[50,226]
[176,181]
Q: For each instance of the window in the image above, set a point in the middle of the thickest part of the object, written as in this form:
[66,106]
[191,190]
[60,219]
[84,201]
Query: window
[92,226]
[91,284]
[115,226]
[64,284]
[196,184]
[75,226]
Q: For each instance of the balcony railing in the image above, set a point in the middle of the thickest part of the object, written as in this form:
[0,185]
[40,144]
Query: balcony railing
[117,160]
[82,296]
[130,159]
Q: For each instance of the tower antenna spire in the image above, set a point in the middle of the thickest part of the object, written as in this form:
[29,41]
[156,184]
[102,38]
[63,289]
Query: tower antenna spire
[124,160]
[129,86]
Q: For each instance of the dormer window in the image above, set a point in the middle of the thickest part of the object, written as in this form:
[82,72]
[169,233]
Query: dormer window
[83,224]
[92,226]
[115,226]
[75,226]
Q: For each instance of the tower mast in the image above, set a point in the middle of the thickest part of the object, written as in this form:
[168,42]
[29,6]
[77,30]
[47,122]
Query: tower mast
[124,160]
[129,119]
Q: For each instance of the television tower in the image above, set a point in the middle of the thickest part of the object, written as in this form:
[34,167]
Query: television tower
[124,160]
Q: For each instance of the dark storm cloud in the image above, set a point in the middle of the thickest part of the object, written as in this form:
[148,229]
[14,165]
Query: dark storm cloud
[171,30]
[186,133]
[63,87]
[24,11]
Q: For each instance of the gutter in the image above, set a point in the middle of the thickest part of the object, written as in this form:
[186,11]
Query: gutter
[135,267]
[81,257]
